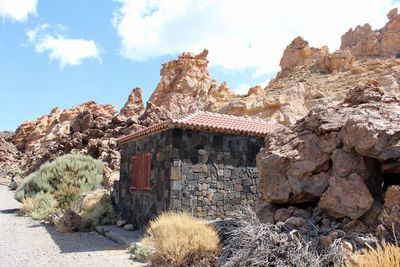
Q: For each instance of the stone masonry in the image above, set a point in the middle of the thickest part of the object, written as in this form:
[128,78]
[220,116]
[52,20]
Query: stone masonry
[206,174]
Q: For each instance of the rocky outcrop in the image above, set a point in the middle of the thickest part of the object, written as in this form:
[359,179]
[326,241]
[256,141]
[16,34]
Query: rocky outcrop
[10,158]
[295,54]
[186,85]
[89,128]
[36,134]
[134,106]
[365,42]
[335,155]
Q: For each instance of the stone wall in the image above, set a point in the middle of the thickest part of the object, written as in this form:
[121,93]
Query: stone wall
[205,174]
[212,175]
[140,207]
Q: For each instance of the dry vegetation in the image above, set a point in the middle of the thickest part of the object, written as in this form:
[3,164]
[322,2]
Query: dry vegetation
[385,254]
[254,243]
[181,240]
[39,207]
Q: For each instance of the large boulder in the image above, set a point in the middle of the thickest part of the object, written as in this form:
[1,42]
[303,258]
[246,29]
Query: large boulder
[69,222]
[335,155]
[346,197]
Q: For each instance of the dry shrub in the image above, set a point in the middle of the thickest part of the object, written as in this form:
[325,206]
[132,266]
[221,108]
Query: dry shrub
[27,206]
[40,207]
[385,254]
[181,240]
[96,209]
[254,243]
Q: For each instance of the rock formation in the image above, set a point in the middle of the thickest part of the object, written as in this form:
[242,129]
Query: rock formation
[186,85]
[338,155]
[365,42]
[90,128]
[10,158]
[134,106]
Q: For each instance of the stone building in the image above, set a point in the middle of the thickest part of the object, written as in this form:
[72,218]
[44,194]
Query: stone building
[202,163]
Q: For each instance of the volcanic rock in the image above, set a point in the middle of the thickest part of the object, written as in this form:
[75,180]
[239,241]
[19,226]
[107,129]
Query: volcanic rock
[365,42]
[392,197]
[346,197]
[134,105]
[334,155]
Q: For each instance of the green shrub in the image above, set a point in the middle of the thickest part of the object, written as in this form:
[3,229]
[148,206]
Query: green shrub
[96,209]
[140,253]
[72,170]
[40,207]
[67,197]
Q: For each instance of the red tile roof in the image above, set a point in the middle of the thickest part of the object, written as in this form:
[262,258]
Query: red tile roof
[212,122]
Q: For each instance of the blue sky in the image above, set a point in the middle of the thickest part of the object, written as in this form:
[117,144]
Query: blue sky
[63,53]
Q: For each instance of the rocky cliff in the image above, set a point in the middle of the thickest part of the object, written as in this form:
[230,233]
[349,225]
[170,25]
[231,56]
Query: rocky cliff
[365,42]
[341,162]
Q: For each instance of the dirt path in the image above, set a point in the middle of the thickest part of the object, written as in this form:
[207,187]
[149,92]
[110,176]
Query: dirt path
[25,242]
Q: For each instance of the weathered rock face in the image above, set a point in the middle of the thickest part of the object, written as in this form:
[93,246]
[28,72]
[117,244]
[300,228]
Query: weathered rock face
[10,157]
[36,134]
[134,106]
[335,154]
[385,42]
[295,54]
[186,85]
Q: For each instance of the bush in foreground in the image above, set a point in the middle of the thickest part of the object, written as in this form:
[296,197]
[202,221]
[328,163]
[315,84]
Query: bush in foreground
[181,240]
[254,243]
[72,170]
[384,255]
[39,207]
[95,209]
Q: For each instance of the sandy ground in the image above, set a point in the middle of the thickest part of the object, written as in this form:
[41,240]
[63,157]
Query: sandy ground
[25,242]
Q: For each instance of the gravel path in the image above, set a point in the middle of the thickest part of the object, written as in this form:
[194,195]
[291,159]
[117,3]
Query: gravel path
[25,242]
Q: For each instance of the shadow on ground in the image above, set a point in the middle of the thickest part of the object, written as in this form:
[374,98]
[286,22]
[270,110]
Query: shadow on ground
[80,241]
[9,211]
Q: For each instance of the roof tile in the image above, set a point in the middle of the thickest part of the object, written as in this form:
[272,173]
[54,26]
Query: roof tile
[209,121]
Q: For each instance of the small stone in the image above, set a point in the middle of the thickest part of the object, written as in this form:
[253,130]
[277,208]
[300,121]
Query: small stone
[355,226]
[392,197]
[206,201]
[121,223]
[128,227]
[282,215]
[296,221]
[381,231]
[325,241]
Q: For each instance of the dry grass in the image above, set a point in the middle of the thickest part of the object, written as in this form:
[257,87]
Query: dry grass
[27,206]
[39,207]
[181,240]
[385,254]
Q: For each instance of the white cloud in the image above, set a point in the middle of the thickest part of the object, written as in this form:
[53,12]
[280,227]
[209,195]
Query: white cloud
[67,51]
[239,34]
[17,10]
